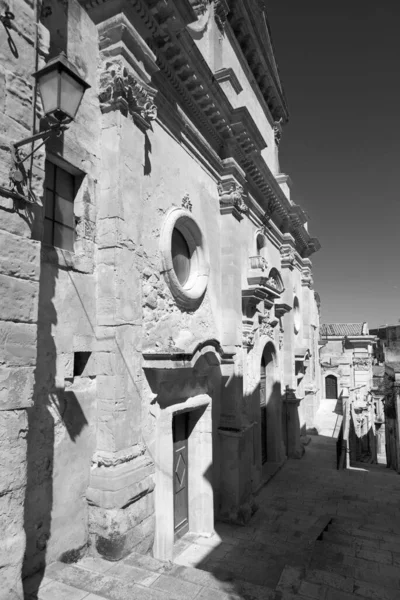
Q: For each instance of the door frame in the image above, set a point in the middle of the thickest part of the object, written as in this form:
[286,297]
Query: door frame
[200,488]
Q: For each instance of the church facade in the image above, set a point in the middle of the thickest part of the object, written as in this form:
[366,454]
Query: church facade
[162,326]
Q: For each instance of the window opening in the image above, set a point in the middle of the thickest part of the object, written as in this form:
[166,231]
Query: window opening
[60,190]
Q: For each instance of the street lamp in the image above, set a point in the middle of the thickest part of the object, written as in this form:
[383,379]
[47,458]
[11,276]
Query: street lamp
[61,89]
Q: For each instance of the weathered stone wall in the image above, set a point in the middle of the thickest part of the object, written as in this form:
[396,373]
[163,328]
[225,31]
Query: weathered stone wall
[62,424]
[19,289]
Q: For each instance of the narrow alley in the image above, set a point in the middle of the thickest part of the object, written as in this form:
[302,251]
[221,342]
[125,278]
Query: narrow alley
[318,533]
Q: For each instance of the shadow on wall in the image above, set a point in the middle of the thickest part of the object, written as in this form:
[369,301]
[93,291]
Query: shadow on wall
[52,407]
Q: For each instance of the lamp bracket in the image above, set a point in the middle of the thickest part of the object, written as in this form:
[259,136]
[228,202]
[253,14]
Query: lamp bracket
[54,128]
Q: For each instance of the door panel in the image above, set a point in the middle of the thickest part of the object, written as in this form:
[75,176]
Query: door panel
[331,387]
[181,513]
[263,416]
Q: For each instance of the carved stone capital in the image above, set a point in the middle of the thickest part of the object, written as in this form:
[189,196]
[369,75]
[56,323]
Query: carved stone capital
[231,198]
[120,89]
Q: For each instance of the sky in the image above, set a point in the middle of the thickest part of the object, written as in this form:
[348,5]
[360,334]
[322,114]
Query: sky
[339,64]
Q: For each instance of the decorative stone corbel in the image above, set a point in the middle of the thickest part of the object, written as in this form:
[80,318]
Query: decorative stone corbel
[268,324]
[231,198]
[221,10]
[278,131]
[287,256]
[306,277]
[248,332]
[120,89]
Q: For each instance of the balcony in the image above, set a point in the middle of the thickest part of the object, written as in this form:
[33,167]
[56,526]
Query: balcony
[263,284]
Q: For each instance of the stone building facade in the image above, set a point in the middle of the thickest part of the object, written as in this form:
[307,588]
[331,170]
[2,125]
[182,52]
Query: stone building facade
[387,384]
[348,371]
[159,325]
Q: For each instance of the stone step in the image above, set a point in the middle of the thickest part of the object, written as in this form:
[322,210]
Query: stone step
[370,523]
[346,539]
[328,557]
[386,541]
[141,577]
[328,584]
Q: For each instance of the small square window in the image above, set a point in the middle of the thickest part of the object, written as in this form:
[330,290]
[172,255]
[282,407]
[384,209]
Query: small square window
[59,223]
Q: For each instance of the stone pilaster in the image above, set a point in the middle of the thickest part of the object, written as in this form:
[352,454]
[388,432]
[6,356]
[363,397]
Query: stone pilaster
[120,494]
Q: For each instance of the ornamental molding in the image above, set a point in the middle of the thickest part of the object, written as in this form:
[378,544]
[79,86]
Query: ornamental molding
[186,203]
[362,364]
[231,198]
[287,256]
[120,89]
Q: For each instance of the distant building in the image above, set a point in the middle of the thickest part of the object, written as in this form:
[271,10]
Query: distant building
[347,356]
[387,382]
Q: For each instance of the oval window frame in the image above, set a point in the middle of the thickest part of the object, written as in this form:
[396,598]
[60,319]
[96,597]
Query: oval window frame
[190,295]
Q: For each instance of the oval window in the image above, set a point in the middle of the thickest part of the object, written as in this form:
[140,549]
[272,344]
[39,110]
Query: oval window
[180,256]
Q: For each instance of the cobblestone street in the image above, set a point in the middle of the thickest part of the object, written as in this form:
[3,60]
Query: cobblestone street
[318,533]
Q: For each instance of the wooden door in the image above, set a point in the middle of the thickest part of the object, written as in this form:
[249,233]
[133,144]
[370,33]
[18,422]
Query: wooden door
[180,439]
[263,410]
[331,387]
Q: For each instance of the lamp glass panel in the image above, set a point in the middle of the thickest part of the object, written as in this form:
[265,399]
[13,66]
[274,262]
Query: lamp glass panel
[71,95]
[48,86]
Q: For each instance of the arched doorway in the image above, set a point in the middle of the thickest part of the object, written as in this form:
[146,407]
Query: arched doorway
[331,387]
[269,405]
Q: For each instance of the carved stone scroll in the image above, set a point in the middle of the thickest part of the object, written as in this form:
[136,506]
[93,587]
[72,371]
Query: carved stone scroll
[120,89]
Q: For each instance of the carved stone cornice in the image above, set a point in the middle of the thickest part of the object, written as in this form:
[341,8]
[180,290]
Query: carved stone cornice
[231,198]
[248,23]
[154,37]
[313,245]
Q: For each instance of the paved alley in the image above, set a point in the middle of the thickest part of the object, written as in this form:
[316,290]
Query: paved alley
[318,533]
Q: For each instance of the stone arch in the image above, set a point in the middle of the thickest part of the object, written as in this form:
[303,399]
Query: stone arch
[275,279]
